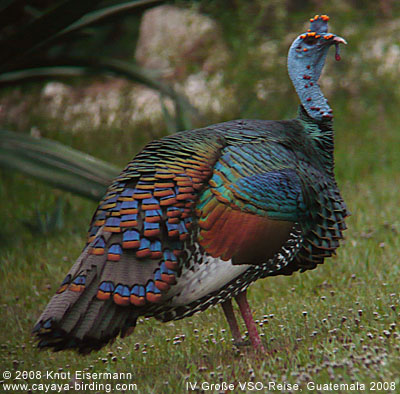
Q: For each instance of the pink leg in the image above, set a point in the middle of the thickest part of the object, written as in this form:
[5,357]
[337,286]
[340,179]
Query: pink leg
[248,319]
[230,317]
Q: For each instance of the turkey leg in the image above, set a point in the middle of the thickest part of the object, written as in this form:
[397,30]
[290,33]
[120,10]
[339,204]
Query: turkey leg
[230,317]
[248,319]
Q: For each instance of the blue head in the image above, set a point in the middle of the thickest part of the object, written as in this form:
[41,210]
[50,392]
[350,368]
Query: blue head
[306,60]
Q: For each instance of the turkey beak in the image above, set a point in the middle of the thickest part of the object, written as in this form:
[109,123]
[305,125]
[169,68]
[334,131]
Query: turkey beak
[338,40]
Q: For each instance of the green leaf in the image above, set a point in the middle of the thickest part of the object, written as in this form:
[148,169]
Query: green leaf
[56,220]
[57,164]
[103,14]
[48,222]
[169,120]
[29,38]
[66,17]
[28,74]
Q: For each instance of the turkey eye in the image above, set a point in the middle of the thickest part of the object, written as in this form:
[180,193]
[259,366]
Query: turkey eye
[310,40]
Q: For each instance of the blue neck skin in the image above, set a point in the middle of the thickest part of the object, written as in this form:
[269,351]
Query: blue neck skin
[304,70]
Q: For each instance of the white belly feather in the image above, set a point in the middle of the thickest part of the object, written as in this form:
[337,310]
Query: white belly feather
[204,279]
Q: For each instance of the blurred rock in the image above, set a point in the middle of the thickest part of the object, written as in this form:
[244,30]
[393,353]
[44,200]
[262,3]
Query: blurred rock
[186,48]
[111,104]
[208,94]
[174,41]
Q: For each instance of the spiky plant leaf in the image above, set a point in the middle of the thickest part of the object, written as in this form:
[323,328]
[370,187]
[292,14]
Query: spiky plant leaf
[57,164]
[49,222]
[29,55]
[103,14]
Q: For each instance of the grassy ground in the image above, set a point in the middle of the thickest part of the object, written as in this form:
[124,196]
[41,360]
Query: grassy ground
[336,324]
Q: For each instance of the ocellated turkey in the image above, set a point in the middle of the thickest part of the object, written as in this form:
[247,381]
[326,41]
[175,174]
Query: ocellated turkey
[198,216]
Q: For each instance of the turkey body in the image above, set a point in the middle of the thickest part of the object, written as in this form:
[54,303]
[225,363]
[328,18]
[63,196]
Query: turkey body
[198,216]
[193,220]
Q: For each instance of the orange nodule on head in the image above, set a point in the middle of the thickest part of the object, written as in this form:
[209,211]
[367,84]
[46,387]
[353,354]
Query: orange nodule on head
[324,17]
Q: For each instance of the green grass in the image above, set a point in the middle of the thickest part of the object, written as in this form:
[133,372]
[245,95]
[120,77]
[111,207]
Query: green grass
[336,324]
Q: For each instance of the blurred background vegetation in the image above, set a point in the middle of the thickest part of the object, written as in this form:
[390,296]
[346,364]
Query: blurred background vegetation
[85,84]
[103,79]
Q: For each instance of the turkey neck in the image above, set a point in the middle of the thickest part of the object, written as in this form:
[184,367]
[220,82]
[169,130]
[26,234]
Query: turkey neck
[304,73]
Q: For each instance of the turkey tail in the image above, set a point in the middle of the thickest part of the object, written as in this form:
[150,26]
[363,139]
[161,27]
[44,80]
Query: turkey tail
[76,318]
[135,239]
